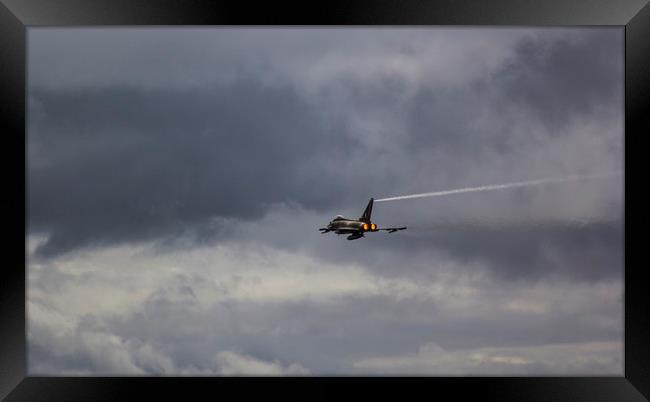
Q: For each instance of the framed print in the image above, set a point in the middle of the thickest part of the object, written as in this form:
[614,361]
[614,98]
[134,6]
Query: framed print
[389,195]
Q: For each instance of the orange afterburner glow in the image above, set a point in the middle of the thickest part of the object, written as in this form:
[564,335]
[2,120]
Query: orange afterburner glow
[365,226]
[373,227]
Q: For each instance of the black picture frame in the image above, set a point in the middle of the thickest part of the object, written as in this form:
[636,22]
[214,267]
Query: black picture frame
[18,15]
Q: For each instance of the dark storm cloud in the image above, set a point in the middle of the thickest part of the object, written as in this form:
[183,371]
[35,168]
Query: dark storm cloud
[128,165]
[547,80]
[523,249]
[201,163]
[120,164]
[559,79]
[528,251]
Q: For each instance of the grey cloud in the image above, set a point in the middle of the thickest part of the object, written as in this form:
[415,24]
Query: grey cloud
[518,247]
[530,251]
[560,79]
[139,163]
[192,57]
[176,329]
[601,358]
[145,164]
[232,141]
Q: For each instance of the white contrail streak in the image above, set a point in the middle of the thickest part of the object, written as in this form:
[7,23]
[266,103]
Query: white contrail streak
[498,186]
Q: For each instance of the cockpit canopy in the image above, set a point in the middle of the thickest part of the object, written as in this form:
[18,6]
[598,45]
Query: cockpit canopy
[338,218]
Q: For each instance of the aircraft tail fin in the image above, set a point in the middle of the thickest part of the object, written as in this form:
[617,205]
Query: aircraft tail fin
[367,212]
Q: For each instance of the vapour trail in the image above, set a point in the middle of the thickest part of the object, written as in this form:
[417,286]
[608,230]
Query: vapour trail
[499,186]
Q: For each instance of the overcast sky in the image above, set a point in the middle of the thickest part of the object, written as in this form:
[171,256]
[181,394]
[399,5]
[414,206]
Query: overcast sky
[177,178]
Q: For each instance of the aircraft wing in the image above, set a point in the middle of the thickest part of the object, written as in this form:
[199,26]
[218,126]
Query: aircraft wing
[392,230]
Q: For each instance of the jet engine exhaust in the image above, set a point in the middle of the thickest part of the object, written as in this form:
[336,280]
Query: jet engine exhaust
[498,187]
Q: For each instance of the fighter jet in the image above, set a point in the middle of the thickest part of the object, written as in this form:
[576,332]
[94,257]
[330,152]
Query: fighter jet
[356,227]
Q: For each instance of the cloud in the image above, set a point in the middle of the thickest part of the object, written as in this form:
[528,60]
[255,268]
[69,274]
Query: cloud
[132,162]
[164,312]
[312,58]
[75,348]
[600,358]
[231,363]
[559,78]
[175,182]
[137,175]
[86,351]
